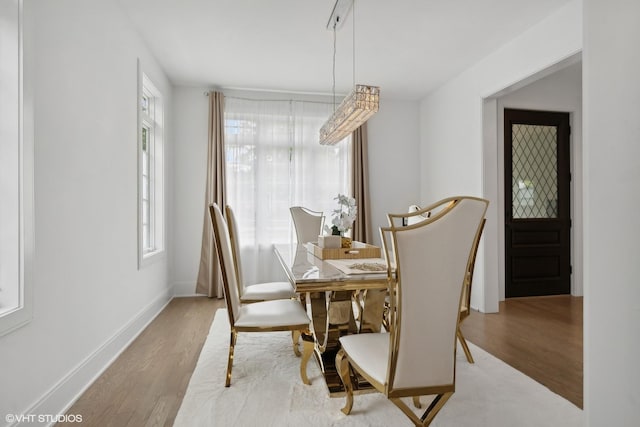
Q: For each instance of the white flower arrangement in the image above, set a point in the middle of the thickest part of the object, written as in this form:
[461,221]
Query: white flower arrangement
[343,217]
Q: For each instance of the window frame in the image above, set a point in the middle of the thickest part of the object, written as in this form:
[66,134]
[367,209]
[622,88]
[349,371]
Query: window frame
[151,197]
[21,311]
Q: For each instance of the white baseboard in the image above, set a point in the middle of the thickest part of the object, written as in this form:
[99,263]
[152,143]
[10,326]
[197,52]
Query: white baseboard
[64,394]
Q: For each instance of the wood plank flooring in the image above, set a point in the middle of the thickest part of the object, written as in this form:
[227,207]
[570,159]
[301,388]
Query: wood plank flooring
[146,383]
[541,337]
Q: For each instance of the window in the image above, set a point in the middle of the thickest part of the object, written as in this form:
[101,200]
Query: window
[274,161]
[150,172]
[16,175]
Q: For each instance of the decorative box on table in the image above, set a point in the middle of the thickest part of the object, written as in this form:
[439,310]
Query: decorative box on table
[329,242]
[357,250]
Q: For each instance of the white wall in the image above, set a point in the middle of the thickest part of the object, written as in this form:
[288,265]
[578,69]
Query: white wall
[451,128]
[393,159]
[191,110]
[89,297]
[611,66]
[560,91]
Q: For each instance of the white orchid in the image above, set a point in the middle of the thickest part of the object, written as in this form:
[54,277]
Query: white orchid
[343,217]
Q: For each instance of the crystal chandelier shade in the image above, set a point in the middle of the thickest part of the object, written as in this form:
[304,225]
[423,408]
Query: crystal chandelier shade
[353,111]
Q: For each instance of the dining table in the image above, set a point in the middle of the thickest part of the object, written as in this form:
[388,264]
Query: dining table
[342,297]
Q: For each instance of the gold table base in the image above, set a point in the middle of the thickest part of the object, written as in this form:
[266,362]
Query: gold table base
[338,313]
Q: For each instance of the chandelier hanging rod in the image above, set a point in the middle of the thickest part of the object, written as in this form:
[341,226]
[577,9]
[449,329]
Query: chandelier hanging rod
[361,103]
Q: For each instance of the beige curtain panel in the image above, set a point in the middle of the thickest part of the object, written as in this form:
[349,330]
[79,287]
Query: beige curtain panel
[209,279]
[360,185]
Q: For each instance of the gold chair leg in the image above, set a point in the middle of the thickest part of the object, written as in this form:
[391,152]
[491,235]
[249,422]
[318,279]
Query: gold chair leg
[232,344]
[295,336]
[428,415]
[416,402]
[308,347]
[342,365]
[434,408]
[385,317]
[464,345]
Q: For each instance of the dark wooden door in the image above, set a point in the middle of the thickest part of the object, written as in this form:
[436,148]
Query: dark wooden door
[537,216]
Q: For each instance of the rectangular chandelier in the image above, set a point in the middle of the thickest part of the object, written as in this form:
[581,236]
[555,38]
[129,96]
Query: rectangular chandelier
[354,110]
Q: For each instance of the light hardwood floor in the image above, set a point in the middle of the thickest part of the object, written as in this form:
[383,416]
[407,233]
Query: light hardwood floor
[146,383]
[541,337]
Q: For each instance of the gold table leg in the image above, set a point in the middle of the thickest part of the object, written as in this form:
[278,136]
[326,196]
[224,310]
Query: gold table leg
[332,315]
[372,310]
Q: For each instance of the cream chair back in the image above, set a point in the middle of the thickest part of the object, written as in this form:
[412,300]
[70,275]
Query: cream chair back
[232,224]
[225,256]
[431,258]
[308,223]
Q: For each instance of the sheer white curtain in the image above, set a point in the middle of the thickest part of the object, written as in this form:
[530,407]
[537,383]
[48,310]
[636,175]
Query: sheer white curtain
[273,162]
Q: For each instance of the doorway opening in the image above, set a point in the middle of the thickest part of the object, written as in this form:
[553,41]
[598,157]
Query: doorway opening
[559,89]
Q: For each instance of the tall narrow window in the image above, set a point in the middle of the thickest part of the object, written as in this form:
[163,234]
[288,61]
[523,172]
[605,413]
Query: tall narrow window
[151,172]
[16,174]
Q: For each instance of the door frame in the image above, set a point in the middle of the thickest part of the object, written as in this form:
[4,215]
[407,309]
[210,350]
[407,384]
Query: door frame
[493,184]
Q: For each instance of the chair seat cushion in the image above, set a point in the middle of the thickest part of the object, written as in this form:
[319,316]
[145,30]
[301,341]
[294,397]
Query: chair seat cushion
[370,352]
[272,314]
[268,291]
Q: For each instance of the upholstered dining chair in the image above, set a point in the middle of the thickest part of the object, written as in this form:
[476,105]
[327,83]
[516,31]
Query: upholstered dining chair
[265,316]
[465,305]
[414,215]
[256,291]
[414,219]
[417,214]
[417,357]
[308,223]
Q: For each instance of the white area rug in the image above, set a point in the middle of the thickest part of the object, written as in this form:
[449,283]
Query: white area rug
[266,390]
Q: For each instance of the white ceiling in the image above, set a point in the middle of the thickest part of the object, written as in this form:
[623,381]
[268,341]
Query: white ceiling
[407,47]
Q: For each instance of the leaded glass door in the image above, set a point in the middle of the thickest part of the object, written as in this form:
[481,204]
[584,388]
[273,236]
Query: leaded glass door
[537,214]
